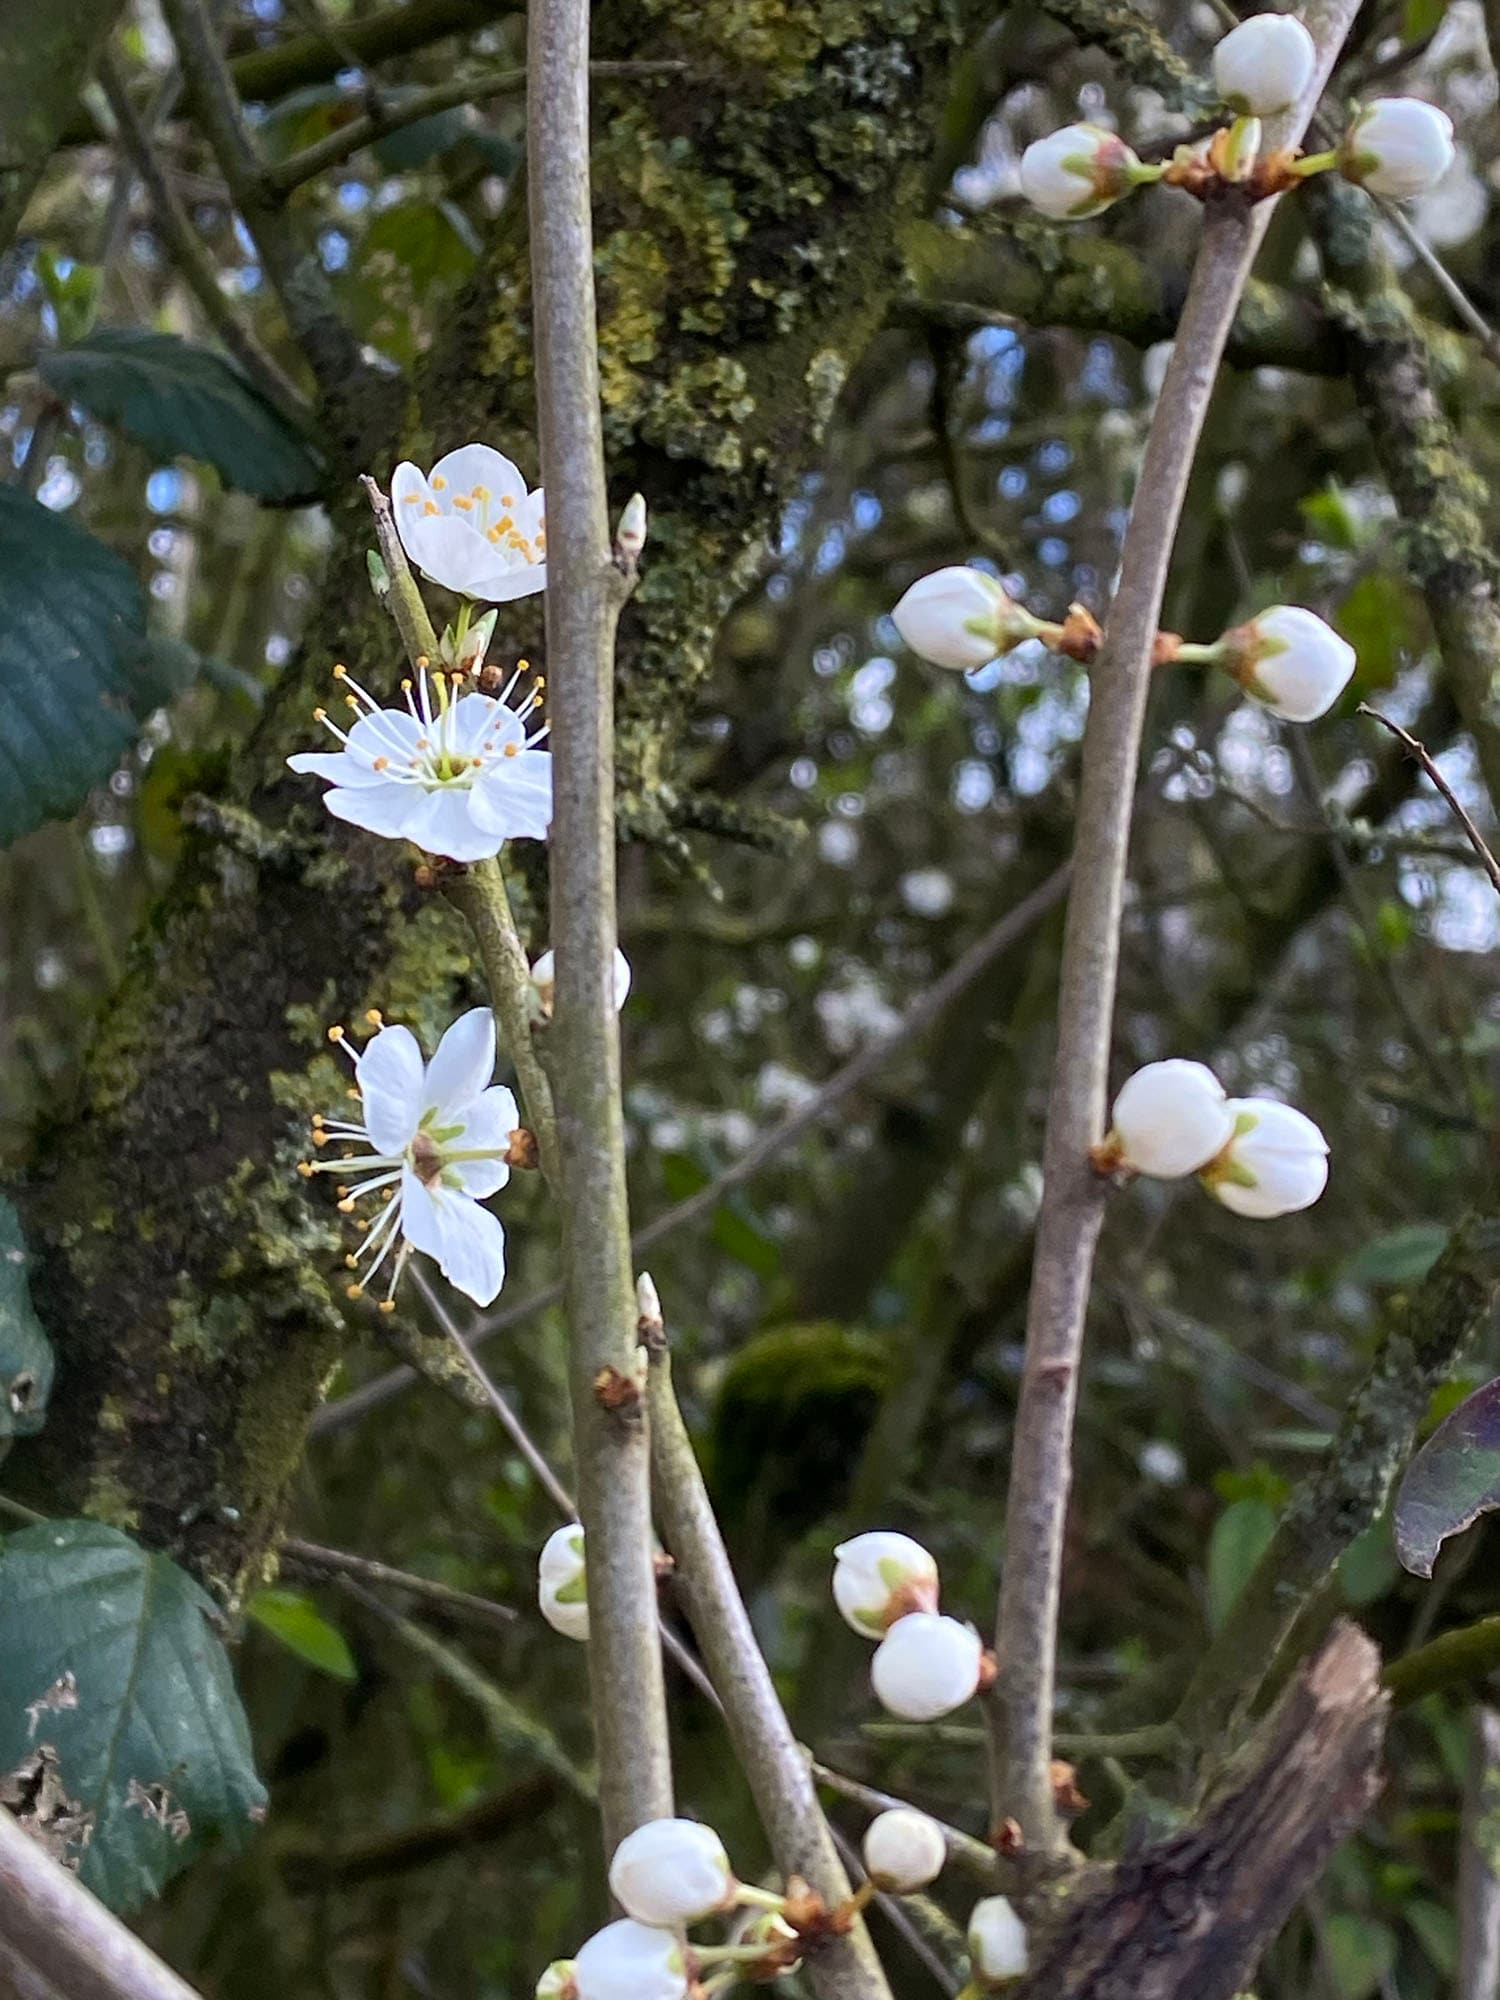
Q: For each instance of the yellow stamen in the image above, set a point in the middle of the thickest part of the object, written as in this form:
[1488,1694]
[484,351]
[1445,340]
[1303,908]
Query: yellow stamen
[304,1167]
[437,482]
[320,1137]
[340,673]
[335,1033]
[481,492]
[507,499]
[387,1305]
[354,1291]
[422,661]
[373,1014]
[320,715]
[460,501]
[346,1206]
[429,507]
[380,763]
[512,750]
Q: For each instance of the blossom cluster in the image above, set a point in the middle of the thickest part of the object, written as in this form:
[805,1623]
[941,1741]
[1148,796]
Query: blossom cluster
[1256,1155]
[1288,659]
[925,1664]
[1398,147]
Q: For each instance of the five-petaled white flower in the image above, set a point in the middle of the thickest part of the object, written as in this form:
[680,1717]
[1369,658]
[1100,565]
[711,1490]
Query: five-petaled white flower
[439,1137]
[457,774]
[471,525]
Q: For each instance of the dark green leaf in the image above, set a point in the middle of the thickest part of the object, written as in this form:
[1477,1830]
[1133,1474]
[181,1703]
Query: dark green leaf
[108,1655]
[1237,1544]
[176,397]
[1438,1930]
[1399,1257]
[411,146]
[1360,1954]
[74,673]
[297,1622]
[25,1351]
[413,256]
[1453,1479]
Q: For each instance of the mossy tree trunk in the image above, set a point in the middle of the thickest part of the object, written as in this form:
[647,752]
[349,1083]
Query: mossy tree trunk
[747,230]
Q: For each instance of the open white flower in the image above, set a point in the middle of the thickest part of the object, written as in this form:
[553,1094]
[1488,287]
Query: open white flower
[1265,64]
[1170,1119]
[471,525]
[631,1961]
[1289,659]
[544,984]
[904,1850]
[1398,146]
[880,1576]
[671,1872]
[1276,1163]
[926,1666]
[456,774]
[1078,171]
[438,1136]
[562,1582]
[997,1942]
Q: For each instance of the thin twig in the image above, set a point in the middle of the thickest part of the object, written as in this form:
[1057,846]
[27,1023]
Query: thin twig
[1429,764]
[1446,283]
[352,138]
[311,1560]
[1073,1196]
[184,246]
[418,635]
[774,1765]
[920,1015]
[1479,1863]
[975,1858]
[585,593]
[58,1939]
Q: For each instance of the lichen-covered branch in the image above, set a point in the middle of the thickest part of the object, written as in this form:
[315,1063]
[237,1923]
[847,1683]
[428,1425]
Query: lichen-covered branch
[1425,1336]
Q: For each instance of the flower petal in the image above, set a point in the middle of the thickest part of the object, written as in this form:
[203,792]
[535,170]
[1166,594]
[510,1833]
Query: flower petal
[335,768]
[471,720]
[389,732]
[503,586]
[514,797]
[445,824]
[386,808]
[409,496]
[473,1256]
[462,1066]
[488,1124]
[419,1216]
[478,465]
[389,1071]
[446,549]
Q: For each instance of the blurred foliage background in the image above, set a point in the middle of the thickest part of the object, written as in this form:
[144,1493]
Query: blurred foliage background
[848,1320]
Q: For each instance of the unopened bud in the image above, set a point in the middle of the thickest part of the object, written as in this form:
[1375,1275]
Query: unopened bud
[1398,146]
[926,1666]
[1276,1162]
[1077,172]
[1170,1119]
[628,1960]
[557,1982]
[904,1850]
[648,1306]
[997,1942]
[1265,64]
[1289,659]
[670,1872]
[562,1583]
[881,1576]
[630,535]
[961,618]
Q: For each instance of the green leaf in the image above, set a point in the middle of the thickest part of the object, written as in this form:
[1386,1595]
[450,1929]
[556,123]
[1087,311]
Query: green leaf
[413,145]
[1236,1545]
[1380,619]
[1399,1257]
[1360,1954]
[73,294]
[25,1351]
[1438,1930]
[108,1655]
[175,398]
[1453,1479]
[413,257]
[75,676]
[297,1622]
[1368,1567]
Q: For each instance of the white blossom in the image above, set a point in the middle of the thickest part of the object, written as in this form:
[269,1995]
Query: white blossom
[1265,64]
[672,1872]
[456,774]
[631,1961]
[562,1582]
[997,1942]
[1398,147]
[904,1850]
[1170,1119]
[959,617]
[544,984]
[878,1577]
[557,1982]
[926,1666]
[471,525]
[437,1136]
[1077,172]
[1291,660]
[1276,1163]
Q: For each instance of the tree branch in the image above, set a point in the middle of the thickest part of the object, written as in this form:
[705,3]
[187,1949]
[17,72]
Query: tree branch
[1440,784]
[584,596]
[1073,1196]
[312,1561]
[1479,1864]
[773,1762]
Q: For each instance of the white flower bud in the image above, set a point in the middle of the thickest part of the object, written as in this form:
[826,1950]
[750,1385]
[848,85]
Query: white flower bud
[557,1982]
[997,1942]
[904,1850]
[1170,1119]
[878,1577]
[562,1583]
[630,535]
[648,1304]
[1276,1163]
[671,1872]
[631,1961]
[1290,660]
[1398,146]
[1077,172]
[1265,64]
[544,984]
[926,1666]
[959,618]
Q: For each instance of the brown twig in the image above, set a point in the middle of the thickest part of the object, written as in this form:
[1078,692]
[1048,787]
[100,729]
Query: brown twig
[1424,757]
[314,1562]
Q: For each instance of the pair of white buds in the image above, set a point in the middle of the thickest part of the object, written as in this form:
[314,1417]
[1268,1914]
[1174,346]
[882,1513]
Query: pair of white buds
[925,1665]
[904,1851]
[1257,1156]
[1286,658]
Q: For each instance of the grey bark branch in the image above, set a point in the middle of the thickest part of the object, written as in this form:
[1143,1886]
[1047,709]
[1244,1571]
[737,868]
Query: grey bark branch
[584,596]
[1073,1198]
[1479,1863]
